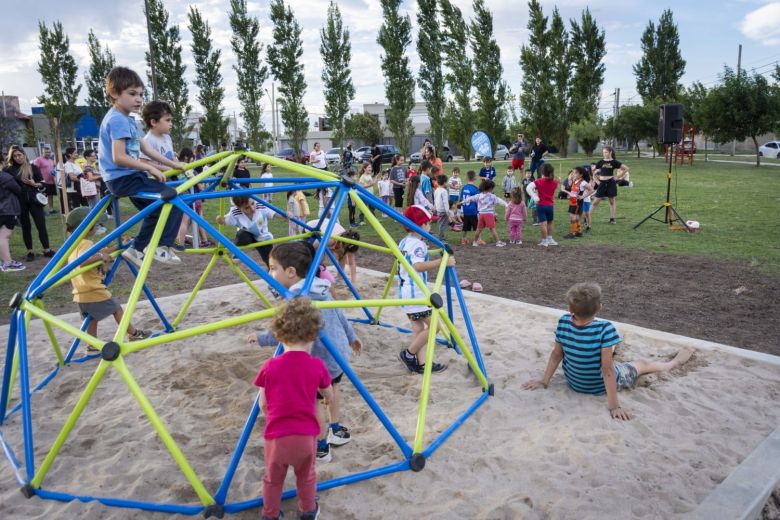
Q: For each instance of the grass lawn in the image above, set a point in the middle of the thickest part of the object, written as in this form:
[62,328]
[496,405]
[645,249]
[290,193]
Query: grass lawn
[737,210]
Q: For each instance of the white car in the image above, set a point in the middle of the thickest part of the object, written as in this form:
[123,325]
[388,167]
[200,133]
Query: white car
[770,149]
[333,156]
[502,154]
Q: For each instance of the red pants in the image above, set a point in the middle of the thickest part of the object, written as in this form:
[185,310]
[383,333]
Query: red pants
[517,164]
[298,451]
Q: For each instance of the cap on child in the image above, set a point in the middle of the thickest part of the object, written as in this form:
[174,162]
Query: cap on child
[417,214]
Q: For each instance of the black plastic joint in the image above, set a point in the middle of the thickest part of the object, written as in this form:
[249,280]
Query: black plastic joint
[223,184]
[220,252]
[491,389]
[417,462]
[347,180]
[16,301]
[436,300]
[110,351]
[316,235]
[448,249]
[168,194]
[28,491]
[215,510]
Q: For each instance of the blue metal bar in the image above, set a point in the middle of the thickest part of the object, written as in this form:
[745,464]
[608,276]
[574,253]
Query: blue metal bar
[24,391]
[407,451]
[450,310]
[454,426]
[345,277]
[327,209]
[321,250]
[221,495]
[306,184]
[467,320]
[10,349]
[9,453]
[117,502]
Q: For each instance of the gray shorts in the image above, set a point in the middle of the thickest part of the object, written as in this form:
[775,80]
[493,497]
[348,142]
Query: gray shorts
[100,310]
[626,376]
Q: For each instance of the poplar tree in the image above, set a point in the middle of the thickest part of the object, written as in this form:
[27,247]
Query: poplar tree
[459,120]
[284,57]
[536,89]
[588,48]
[214,124]
[101,62]
[490,87]
[336,52]
[59,74]
[395,35]
[430,77]
[560,77]
[169,69]
[659,70]
[251,72]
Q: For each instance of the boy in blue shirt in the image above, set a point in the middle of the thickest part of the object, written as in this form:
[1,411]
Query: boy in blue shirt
[470,213]
[488,171]
[586,346]
[126,175]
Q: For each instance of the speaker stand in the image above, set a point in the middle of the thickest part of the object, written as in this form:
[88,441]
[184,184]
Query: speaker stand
[670,213]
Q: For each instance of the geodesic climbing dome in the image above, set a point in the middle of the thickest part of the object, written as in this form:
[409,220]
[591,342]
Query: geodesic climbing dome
[219,185]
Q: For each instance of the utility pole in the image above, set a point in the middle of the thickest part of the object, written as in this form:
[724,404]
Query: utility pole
[273,118]
[739,73]
[151,51]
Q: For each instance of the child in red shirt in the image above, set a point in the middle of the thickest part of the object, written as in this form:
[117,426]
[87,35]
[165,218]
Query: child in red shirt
[288,391]
[545,187]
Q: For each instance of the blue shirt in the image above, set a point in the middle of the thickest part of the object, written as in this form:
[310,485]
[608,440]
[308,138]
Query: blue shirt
[465,192]
[488,173]
[582,352]
[117,126]
[425,185]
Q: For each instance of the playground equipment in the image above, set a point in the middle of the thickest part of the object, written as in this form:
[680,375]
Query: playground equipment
[31,473]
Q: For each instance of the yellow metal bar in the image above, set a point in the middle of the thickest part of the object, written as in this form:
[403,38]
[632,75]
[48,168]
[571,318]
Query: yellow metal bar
[246,279]
[292,166]
[205,174]
[59,323]
[143,272]
[356,304]
[360,243]
[426,385]
[463,348]
[79,271]
[194,292]
[70,423]
[50,333]
[173,448]
[135,346]
[388,286]
[440,275]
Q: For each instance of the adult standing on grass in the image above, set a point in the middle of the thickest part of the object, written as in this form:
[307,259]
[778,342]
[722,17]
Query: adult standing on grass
[31,182]
[605,172]
[317,158]
[46,164]
[518,149]
[73,181]
[538,152]
[376,159]
[9,217]
[347,157]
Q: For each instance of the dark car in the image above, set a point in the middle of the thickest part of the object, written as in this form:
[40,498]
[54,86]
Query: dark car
[387,151]
[289,154]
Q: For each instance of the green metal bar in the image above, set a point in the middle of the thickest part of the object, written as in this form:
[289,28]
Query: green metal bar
[194,292]
[205,174]
[50,333]
[143,272]
[293,167]
[135,346]
[80,270]
[442,270]
[388,286]
[360,243]
[464,349]
[273,241]
[63,325]
[355,304]
[417,447]
[246,279]
[173,448]
[70,423]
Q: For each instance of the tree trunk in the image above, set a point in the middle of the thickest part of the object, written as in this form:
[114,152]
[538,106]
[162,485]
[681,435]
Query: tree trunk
[758,156]
[638,150]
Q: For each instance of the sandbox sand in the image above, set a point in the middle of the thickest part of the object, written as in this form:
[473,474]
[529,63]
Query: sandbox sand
[542,454]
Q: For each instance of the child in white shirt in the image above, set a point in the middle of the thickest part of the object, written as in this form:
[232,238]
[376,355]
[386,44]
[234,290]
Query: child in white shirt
[251,221]
[441,205]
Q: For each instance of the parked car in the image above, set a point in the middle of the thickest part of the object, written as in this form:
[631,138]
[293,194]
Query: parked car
[333,156]
[501,154]
[445,155]
[287,153]
[387,151]
[770,149]
[362,154]
[688,145]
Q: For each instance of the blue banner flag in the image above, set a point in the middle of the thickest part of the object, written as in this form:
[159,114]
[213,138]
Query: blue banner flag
[481,144]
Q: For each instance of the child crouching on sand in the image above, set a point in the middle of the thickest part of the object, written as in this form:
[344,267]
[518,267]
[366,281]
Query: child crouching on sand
[289,384]
[586,345]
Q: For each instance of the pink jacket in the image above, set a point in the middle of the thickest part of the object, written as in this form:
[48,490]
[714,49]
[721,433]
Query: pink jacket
[516,212]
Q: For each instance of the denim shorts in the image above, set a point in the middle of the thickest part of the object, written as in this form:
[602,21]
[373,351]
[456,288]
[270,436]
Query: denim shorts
[545,213]
[585,207]
[626,376]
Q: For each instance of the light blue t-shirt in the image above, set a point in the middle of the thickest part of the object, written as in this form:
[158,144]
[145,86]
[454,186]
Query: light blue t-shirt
[425,185]
[117,126]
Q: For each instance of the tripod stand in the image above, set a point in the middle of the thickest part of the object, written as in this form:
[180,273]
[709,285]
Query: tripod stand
[670,215]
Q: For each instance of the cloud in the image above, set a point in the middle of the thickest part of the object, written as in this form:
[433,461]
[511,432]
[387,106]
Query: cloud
[763,24]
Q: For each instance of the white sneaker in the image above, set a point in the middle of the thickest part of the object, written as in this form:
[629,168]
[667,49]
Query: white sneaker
[165,255]
[133,256]
[99,230]
[519,242]
[474,244]
[543,243]
[551,242]
[500,244]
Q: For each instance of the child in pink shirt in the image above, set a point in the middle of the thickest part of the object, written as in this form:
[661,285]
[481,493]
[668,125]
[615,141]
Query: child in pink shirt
[516,214]
[288,391]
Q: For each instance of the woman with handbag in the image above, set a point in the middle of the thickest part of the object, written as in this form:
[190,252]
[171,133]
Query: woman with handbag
[9,219]
[32,200]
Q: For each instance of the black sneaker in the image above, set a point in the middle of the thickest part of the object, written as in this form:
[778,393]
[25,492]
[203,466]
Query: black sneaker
[612,221]
[311,515]
[30,256]
[569,235]
[411,363]
[578,234]
[323,454]
[436,367]
[338,437]
[587,229]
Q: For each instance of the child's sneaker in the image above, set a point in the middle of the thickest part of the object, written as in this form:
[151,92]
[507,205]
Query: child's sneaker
[99,230]
[436,367]
[500,244]
[13,265]
[410,362]
[133,256]
[481,242]
[139,334]
[543,243]
[569,235]
[474,244]
[551,242]
[323,454]
[165,255]
[587,229]
[338,437]
[178,247]
[612,221]
[519,242]
[464,242]
[311,515]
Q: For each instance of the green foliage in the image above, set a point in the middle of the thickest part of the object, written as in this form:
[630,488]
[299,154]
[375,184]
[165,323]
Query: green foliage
[587,133]
[168,67]
[395,35]
[634,123]
[692,99]
[251,72]
[741,106]
[588,48]
[430,77]
[459,117]
[214,124]
[491,89]
[336,52]
[364,127]
[536,89]
[284,56]
[101,63]
[560,58]
[59,74]
[659,70]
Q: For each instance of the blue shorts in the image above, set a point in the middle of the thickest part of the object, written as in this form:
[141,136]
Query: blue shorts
[625,376]
[586,207]
[545,213]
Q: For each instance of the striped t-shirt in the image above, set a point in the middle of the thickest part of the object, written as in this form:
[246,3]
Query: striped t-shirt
[582,352]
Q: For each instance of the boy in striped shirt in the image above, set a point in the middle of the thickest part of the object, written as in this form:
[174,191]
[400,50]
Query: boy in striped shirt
[586,345]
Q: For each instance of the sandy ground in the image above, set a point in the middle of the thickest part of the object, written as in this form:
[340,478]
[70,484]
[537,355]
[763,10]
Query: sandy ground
[542,454]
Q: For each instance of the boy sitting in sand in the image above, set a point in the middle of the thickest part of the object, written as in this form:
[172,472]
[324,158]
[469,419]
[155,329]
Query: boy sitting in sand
[586,345]
[288,386]
[289,264]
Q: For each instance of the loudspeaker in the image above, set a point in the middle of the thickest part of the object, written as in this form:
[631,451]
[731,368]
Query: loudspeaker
[670,123]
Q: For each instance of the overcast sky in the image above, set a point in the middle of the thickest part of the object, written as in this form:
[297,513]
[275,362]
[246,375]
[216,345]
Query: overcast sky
[710,32]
